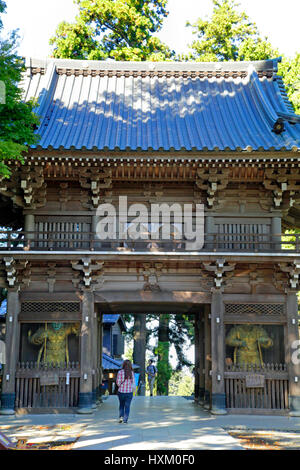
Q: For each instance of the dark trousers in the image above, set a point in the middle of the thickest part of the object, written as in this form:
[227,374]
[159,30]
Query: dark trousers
[124,404]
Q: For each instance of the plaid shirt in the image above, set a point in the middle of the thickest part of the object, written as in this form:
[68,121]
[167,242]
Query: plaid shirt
[125,386]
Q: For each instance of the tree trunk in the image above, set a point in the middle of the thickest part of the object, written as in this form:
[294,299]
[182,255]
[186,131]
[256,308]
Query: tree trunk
[139,348]
[163,366]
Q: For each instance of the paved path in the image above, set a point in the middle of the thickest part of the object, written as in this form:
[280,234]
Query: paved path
[157,423]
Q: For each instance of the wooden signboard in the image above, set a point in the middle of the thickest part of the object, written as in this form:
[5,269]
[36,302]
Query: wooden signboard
[49,379]
[255,381]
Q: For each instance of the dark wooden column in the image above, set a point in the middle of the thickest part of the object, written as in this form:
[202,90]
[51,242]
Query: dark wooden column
[292,354]
[94,358]
[12,341]
[139,350]
[201,359]
[99,351]
[86,366]
[207,358]
[217,353]
[197,357]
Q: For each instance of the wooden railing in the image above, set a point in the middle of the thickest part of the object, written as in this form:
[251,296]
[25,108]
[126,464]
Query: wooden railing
[257,389]
[88,241]
[41,387]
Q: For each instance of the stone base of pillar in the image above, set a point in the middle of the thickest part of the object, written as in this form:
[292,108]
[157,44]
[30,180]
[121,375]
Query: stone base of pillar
[201,398]
[294,404]
[206,404]
[85,404]
[7,404]
[218,404]
[94,399]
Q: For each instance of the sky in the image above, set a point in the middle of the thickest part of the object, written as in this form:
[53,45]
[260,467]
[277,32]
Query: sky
[38,19]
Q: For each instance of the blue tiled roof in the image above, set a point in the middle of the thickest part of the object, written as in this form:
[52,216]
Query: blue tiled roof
[133,106]
[108,363]
[110,318]
[113,318]
[3,308]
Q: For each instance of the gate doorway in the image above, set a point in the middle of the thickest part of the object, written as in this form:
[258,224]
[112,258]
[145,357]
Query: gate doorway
[164,342]
[208,335]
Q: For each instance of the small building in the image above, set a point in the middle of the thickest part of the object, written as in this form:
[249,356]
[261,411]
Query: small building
[114,328]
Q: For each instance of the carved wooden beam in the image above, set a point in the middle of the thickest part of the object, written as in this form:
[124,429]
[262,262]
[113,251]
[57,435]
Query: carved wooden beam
[151,273]
[212,180]
[18,273]
[293,271]
[91,274]
[33,185]
[96,182]
[11,272]
[283,182]
[222,271]
[153,192]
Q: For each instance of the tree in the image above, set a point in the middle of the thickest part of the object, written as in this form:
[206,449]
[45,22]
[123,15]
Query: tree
[181,332]
[176,330]
[115,29]
[17,119]
[139,347]
[164,370]
[181,384]
[228,36]
[290,72]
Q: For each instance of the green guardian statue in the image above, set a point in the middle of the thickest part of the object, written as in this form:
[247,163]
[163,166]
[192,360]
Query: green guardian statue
[53,339]
[248,341]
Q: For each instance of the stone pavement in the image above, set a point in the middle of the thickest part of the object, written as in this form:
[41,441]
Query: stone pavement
[155,423]
[160,423]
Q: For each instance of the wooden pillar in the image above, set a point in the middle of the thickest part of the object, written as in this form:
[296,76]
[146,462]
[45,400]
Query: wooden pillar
[86,366]
[209,231]
[217,353]
[94,358]
[207,358]
[29,226]
[276,233]
[12,341]
[100,352]
[292,353]
[201,359]
[197,357]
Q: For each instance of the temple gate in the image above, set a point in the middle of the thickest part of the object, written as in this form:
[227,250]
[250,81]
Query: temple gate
[221,138]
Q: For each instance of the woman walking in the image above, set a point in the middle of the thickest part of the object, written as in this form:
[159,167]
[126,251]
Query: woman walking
[125,381]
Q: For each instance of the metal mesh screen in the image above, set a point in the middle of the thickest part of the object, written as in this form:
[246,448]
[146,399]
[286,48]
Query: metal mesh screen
[256,309]
[39,307]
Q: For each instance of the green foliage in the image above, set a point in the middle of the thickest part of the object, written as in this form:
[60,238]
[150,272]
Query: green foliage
[115,29]
[228,36]
[17,120]
[128,352]
[290,72]
[181,332]
[164,369]
[181,384]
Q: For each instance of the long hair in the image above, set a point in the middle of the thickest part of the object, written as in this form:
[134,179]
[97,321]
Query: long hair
[127,366]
